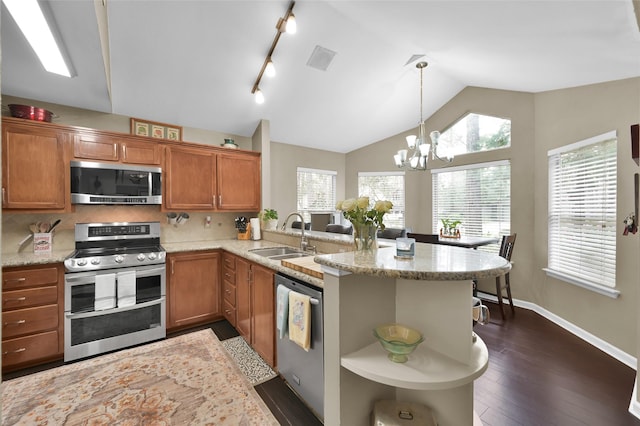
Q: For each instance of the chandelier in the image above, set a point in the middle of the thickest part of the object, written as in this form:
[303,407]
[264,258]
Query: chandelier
[417,154]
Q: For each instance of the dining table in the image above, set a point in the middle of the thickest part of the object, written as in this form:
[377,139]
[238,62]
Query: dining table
[467,241]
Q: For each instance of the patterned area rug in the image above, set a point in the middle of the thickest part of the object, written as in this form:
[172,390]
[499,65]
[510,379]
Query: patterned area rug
[249,362]
[184,380]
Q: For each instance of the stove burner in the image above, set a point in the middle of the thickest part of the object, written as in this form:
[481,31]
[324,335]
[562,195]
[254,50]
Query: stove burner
[116,245]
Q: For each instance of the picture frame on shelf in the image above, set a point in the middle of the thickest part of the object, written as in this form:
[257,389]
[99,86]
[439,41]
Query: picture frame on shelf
[155,129]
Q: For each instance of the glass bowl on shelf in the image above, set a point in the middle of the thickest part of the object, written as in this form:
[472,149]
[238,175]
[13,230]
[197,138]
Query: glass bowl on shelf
[399,340]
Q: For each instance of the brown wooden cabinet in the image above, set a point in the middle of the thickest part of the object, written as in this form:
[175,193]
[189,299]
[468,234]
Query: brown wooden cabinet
[229,287]
[238,177]
[255,307]
[203,178]
[32,315]
[112,147]
[190,176]
[193,288]
[34,171]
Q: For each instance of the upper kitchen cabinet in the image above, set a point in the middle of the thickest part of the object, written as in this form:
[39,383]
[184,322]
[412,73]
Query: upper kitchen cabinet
[111,147]
[203,178]
[34,175]
[239,182]
[190,178]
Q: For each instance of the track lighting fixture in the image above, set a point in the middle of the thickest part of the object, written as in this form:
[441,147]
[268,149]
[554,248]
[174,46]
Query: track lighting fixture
[285,24]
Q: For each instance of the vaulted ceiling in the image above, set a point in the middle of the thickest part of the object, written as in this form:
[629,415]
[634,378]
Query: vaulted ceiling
[193,63]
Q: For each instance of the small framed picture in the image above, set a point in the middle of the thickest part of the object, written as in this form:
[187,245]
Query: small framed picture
[173,134]
[155,130]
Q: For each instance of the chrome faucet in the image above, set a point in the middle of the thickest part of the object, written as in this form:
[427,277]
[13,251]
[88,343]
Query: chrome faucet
[304,244]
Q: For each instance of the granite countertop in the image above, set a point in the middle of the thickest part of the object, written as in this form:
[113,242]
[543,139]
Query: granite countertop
[431,262]
[238,247]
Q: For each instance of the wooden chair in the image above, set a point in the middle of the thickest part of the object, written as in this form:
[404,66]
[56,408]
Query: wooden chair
[339,229]
[424,238]
[392,233]
[506,250]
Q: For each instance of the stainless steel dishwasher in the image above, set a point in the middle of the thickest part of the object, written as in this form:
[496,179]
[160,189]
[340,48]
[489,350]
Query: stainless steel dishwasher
[304,371]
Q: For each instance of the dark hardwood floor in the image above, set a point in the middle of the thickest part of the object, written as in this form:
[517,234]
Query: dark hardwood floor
[538,374]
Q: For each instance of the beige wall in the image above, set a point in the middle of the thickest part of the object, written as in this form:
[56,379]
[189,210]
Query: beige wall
[285,159]
[563,117]
[69,116]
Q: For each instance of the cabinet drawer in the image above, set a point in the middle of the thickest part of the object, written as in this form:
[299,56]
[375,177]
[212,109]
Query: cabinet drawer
[229,261]
[29,348]
[229,312]
[29,320]
[229,292]
[29,278]
[29,297]
[229,275]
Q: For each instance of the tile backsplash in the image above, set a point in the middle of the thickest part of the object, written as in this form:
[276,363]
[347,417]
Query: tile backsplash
[15,226]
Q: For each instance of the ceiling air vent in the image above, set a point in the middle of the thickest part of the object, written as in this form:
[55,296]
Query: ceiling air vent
[321,58]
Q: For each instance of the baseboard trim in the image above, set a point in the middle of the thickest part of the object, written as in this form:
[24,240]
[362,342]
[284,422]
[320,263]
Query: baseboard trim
[634,405]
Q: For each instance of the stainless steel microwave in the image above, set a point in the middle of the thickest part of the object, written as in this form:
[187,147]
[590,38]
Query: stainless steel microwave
[112,183]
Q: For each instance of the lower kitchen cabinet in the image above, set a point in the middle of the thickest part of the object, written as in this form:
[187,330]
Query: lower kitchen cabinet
[229,287]
[255,307]
[32,315]
[193,288]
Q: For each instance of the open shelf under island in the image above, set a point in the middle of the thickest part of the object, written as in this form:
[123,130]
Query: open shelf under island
[432,293]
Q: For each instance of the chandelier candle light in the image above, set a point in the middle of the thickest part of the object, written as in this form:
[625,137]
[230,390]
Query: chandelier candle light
[416,157]
[366,220]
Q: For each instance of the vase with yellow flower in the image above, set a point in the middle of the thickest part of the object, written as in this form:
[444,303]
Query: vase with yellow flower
[366,220]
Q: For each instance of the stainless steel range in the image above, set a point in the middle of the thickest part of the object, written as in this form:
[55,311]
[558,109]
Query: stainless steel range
[114,288]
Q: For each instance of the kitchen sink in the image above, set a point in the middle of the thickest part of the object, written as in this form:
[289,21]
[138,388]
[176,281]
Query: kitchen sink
[289,256]
[270,252]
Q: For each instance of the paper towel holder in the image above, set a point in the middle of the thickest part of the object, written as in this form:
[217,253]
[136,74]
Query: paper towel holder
[255,228]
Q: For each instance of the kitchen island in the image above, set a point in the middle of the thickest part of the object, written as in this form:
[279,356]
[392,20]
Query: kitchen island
[432,293]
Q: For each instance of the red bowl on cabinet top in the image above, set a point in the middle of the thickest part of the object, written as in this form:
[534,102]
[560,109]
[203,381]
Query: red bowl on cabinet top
[30,112]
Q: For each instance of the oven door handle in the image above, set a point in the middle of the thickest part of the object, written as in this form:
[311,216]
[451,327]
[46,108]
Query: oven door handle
[72,316]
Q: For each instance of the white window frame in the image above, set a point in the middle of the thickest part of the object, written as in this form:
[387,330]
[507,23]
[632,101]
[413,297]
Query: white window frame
[398,208]
[330,208]
[503,230]
[594,260]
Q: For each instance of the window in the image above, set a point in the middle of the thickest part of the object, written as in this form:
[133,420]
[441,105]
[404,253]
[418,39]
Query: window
[385,186]
[475,133]
[478,195]
[582,213]
[316,192]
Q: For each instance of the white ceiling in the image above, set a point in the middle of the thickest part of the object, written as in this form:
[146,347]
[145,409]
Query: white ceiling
[193,63]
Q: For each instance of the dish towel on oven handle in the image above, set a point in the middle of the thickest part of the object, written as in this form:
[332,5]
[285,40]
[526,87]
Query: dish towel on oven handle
[105,292]
[126,288]
[282,309]
[300,319]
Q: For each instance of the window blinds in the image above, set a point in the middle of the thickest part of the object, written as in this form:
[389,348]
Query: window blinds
[478,195]
[316,191]
[385,186]
[582,210]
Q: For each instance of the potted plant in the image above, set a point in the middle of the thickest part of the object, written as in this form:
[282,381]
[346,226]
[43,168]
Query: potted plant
[450,228]
[269,218]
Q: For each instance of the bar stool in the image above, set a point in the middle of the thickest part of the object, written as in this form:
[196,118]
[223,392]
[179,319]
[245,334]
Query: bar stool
[506,250]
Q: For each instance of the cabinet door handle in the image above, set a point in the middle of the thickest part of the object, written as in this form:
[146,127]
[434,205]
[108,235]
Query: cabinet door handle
[19,322]
[214,201]
[16,351]
[220,200]
[3,199]
[15,280]
[16,299]
[124,152]
[172,266]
